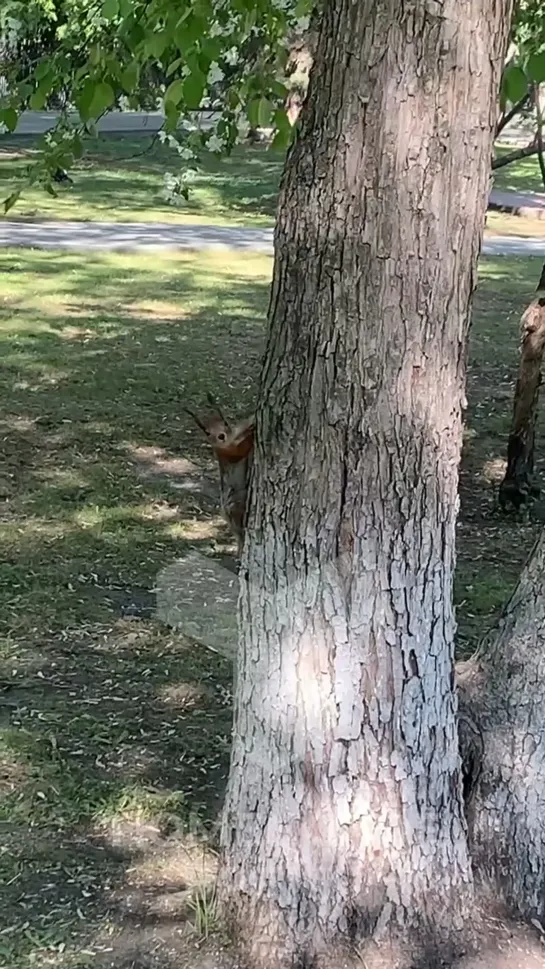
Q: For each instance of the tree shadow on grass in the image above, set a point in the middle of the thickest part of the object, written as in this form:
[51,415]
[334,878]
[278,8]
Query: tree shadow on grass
[118,174]
[115,729]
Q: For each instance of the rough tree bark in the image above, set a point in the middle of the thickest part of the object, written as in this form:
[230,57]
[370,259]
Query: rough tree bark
[517,485]
[503,740]
[344,814]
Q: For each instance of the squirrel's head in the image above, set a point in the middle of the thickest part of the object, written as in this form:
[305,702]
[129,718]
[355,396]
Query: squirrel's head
[231,442]
[217,432]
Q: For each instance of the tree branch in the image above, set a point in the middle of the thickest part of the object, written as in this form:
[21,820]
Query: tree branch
[513,156]
[506,118]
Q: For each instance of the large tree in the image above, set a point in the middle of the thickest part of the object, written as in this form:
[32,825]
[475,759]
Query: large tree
[344,812]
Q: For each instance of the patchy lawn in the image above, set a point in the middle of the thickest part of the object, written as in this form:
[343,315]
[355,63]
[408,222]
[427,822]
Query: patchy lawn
[522,176]
[120,179]
[114,731]
[503,224]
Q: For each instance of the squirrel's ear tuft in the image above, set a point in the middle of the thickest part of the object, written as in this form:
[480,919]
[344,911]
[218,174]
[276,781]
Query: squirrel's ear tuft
[197,420]
[213,403]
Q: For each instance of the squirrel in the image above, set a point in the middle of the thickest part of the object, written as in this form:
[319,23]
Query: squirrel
[233,446]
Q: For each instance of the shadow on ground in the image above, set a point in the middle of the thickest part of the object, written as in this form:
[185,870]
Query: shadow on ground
[121,177]
[115,728]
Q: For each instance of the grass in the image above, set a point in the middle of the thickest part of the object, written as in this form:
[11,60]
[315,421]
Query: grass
[522,176]
[114,730]
[503,224]
[121,179]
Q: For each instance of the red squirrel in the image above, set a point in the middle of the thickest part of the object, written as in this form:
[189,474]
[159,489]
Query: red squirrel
[233,446]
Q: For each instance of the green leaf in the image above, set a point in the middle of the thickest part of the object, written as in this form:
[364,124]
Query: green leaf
[264,111]
[42,69]
[24,89]
[514,84]
[50,190]
[135,36]
[279,89]
[40,95]
[172,116]
[250,20]
[129,77]
[253,112]
[95,55]
[281,139]
[110,9]
[175,92]
[193,90]
[103,98]
[211,48]
[174,66]
[85,99]
[281,120]
[155,45]
[10,201]
[232,98]
[38,99]
[9,118]
[188,32]
[536,67]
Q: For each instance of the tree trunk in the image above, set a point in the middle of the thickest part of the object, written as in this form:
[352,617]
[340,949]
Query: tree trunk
[517,485]
[503,701]
[344,814]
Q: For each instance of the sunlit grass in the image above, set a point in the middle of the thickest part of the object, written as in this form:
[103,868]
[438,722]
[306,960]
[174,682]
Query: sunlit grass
[118,181]
[112,722]
[503,224]
[521,176]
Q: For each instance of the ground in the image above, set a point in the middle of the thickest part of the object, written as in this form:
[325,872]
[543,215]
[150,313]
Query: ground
[114,728]
[121,179]
[521,176]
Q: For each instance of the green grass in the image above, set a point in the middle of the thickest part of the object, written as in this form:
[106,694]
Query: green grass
[107,716]
[521,176]
[112,726]
[120,178]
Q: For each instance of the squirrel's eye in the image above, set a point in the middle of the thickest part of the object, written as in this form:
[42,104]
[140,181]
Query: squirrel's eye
[221,436]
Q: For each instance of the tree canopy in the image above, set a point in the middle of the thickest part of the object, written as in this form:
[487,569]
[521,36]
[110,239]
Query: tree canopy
[89,54]
[96,52]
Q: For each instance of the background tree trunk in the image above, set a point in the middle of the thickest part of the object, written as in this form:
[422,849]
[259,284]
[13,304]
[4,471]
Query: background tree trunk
[503,698]
[517,485]
[344,813]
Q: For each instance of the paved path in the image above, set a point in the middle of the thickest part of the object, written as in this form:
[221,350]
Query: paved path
[119,122]
[132,236]
[145,236]
[530,205]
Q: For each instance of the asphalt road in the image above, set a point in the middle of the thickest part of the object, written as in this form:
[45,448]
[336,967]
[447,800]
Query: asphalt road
[141,237]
